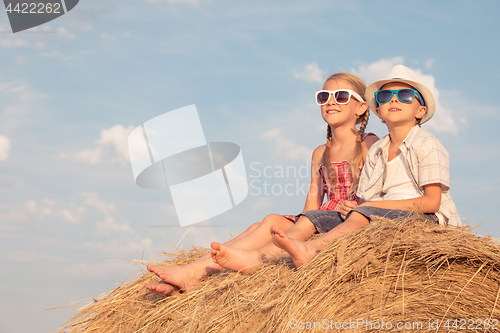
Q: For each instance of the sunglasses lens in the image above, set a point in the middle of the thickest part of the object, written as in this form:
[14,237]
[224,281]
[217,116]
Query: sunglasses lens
[406,95]
[383,96]
[322,97]
[342,97]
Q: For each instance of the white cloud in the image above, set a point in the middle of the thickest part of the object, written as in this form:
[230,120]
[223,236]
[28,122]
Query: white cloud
[9,43]
[65,33]
[31,206]
[112,147]
[462,107]
[11,221]
[109,225]
[310,73]
[107,36]
[117,137]
[22,40]
[377,70]
[92,200]
[49,202]
[442,121]
[66,57]
[89,156]
[71,216]
[17,216]
[4,147]
[286,147]
[429,63]
[33,210]
[16,100]
[82,23]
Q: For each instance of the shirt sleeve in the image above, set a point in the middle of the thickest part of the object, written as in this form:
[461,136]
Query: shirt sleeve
[433,164]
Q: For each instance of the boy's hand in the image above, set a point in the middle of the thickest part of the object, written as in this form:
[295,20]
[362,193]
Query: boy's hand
[346,207]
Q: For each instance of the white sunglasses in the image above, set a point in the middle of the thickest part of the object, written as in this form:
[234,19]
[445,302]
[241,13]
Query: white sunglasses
[341,96]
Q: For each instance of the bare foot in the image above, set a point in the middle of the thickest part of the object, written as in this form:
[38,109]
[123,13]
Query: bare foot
[175,278]
[244,261]
[301,252]
[163,288]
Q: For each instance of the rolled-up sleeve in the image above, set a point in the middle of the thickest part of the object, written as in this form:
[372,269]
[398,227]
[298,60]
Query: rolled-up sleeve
[433,164]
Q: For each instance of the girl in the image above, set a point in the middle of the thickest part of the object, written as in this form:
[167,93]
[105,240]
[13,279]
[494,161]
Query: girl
[342,107]
[405,171]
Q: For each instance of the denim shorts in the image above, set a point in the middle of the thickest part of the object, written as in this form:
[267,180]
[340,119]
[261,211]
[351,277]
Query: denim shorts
[323,220]
[326,220]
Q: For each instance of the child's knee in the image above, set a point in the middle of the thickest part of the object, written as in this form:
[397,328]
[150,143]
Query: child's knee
[278,220]
[270,220]
[358,218]
[304,223]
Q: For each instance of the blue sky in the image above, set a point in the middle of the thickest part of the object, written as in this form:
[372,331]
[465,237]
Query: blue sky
[71,216]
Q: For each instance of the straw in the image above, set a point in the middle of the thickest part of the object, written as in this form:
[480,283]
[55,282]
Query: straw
[412,272]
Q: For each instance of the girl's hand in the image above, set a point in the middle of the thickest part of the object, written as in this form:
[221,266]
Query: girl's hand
[346,207]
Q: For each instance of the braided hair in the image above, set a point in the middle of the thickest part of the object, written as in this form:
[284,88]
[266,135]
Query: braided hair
[356,161]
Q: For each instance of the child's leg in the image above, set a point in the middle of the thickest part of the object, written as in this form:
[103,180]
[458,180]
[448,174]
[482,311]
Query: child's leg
[185,277]
[245,261]
[301,252]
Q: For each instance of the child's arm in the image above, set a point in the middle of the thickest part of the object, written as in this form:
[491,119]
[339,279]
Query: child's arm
[428,203]
[315,195]
[433,177]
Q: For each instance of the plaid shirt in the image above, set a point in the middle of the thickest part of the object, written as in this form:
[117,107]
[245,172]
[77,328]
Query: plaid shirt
[428,162]
[341,190]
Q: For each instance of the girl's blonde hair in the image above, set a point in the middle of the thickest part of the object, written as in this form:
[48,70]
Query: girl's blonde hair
[356,162]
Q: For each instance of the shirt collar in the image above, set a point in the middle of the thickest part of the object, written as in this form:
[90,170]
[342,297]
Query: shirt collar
[384,145]
[411,135]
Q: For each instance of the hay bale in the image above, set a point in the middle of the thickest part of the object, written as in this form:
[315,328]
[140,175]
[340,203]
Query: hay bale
[390,272]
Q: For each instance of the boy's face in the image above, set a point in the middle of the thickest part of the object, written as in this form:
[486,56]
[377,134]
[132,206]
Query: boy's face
[397,112]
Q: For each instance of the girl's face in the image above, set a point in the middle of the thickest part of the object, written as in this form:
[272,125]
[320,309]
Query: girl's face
[396,112]
[341,114]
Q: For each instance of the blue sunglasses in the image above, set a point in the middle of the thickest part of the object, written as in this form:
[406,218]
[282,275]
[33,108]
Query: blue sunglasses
[404,95]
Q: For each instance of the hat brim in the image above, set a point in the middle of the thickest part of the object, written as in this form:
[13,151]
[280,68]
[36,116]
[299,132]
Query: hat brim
[429,101]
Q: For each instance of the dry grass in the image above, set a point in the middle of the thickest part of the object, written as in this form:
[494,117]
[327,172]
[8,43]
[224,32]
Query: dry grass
[406,271]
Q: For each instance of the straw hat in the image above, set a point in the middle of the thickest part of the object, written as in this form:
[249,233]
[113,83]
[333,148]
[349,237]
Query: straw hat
[400,73]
